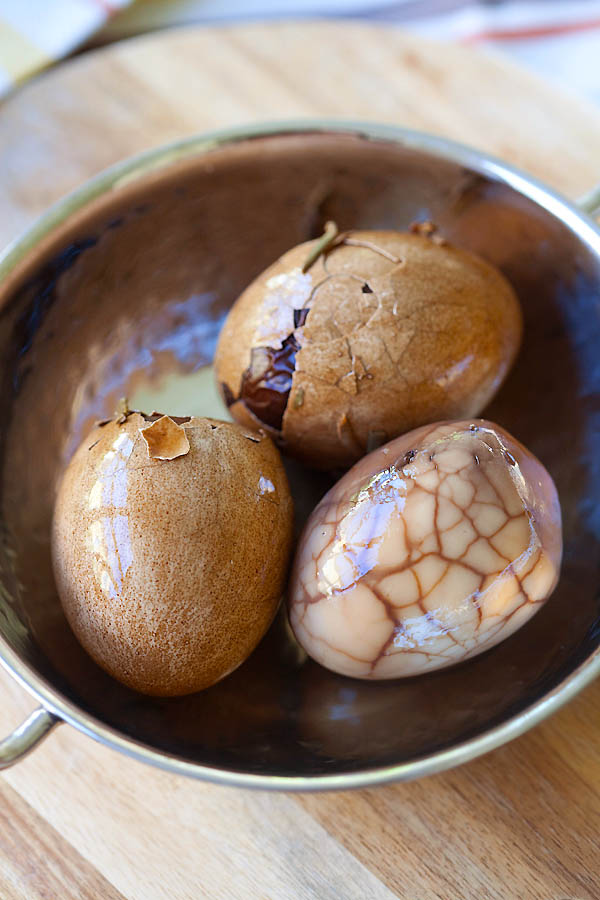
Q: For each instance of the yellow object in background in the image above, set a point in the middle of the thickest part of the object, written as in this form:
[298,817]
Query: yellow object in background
[18,55]
[35,33]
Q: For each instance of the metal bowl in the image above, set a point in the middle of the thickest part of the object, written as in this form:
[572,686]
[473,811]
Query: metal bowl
[131,275]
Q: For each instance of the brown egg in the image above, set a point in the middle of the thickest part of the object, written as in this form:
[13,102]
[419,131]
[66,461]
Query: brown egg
[170,546]
[384,332]
[428,551]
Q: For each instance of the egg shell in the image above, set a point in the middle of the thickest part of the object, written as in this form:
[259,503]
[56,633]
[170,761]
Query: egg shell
[170,571]
[401,330]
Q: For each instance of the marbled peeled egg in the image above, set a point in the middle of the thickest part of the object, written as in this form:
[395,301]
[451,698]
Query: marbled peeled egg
[384,332]
[428,551]
[170,547]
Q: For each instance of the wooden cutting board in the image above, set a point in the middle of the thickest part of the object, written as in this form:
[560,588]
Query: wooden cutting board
[80,821]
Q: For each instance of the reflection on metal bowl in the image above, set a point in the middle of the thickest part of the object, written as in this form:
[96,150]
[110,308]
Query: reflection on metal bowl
[125,283]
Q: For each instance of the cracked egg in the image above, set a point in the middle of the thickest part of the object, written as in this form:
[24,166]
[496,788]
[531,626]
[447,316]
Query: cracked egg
[383,332]
[170,546]
[429,551]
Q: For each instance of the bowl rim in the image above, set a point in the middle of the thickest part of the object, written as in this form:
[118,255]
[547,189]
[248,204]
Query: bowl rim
[154,160]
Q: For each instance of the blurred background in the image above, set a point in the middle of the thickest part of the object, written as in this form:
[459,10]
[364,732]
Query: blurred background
[86,83]
[560,39]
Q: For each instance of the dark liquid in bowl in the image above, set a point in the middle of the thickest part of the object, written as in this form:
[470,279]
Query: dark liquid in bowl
[140,286]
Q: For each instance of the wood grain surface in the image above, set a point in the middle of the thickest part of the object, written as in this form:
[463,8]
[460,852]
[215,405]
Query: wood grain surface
[80,821]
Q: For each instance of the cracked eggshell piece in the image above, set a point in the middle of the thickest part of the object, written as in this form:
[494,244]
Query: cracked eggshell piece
[386,331]
[170,571]
[165,439]
[428,551]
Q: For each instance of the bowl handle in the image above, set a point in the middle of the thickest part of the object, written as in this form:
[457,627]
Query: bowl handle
[590,202]
[27,736]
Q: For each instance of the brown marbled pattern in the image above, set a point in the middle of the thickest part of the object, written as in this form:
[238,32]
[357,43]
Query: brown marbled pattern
[429,551]
[385,332]
[170,571]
